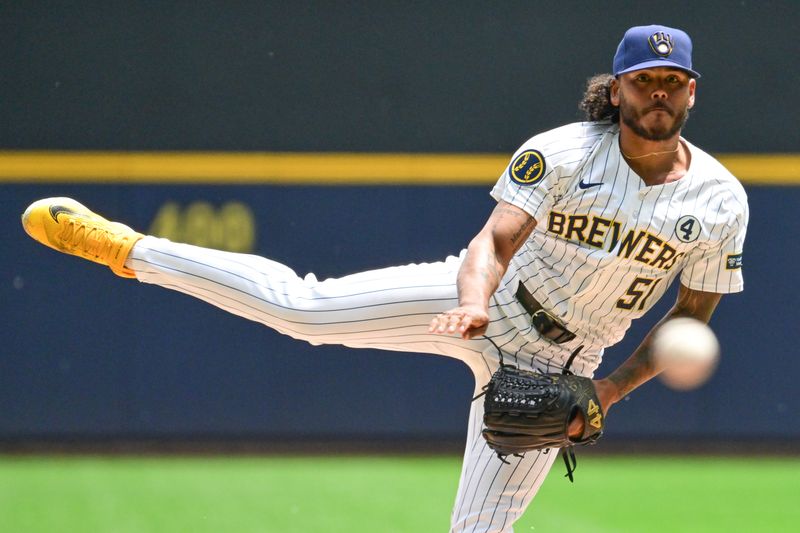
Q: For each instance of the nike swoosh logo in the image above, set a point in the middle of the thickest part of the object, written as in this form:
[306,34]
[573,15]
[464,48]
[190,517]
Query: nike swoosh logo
[583,185]
[56,210]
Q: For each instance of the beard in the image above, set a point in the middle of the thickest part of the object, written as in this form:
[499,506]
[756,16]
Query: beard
[633,119]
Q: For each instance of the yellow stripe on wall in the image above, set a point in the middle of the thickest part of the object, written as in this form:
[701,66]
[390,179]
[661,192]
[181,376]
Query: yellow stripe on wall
[313,168]
[763,169]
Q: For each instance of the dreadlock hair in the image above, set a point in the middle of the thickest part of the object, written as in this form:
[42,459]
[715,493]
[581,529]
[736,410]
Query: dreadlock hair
[596,102]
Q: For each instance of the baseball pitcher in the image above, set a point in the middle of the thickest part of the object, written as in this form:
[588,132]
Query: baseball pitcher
[594,221]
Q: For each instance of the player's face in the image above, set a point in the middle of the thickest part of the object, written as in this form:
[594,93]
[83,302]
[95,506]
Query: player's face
[654,103]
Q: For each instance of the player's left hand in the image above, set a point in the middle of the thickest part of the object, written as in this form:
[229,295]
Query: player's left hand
[607,394]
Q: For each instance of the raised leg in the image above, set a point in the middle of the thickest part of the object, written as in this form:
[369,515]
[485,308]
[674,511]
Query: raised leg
[388,308]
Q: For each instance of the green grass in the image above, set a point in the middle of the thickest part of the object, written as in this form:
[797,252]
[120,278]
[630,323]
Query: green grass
[376,494]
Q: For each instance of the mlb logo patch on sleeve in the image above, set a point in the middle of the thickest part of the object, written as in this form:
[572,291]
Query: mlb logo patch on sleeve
[733,261]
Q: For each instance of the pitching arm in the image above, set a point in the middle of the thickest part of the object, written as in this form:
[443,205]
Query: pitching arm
[488,256]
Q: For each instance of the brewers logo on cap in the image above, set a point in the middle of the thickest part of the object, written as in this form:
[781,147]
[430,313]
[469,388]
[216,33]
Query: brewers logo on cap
[527,168]
[661,43]
[654,46]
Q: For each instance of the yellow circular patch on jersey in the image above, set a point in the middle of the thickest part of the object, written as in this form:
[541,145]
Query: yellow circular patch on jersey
[527,168]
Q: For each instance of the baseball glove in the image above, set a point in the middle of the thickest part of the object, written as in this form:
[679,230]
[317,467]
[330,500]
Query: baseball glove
[526,411]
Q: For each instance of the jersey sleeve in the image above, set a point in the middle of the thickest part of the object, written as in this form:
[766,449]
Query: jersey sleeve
[529,179]
[717,266]
[544,163]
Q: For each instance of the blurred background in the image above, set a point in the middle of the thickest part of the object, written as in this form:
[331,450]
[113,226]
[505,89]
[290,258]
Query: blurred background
[147,112]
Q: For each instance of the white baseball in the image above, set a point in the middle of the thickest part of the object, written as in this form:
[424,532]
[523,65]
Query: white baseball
[687,350]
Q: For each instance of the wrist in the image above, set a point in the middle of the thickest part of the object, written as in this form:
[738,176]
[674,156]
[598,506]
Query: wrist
[473,303]
[607,392]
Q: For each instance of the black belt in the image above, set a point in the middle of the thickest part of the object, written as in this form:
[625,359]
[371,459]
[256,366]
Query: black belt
[546,324]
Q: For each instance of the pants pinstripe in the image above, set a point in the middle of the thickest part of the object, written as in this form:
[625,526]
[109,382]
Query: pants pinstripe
[388,309]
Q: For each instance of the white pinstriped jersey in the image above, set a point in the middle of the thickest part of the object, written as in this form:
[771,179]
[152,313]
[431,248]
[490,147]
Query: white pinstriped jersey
[606,246]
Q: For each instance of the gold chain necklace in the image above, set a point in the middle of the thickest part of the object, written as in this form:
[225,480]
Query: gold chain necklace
[650,154]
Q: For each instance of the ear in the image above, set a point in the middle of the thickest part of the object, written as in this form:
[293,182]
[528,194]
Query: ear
[692,89]
[614,92]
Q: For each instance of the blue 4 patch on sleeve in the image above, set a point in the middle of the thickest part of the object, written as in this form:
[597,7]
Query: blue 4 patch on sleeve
[528,168]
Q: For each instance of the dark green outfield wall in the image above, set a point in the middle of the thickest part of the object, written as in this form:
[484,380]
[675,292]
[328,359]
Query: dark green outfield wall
[450,76]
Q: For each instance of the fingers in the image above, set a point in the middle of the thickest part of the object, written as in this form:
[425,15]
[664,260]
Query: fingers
[450,322]
[458,321]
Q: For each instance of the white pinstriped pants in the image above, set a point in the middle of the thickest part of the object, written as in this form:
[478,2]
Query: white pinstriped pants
[388,309]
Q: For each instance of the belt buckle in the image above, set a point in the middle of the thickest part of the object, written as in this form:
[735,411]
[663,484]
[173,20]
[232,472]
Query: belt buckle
[550,327]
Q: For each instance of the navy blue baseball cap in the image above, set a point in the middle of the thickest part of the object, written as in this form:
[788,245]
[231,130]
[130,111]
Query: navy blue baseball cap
[654,46]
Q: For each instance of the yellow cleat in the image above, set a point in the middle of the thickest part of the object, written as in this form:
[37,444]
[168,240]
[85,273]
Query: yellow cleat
[67,226]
